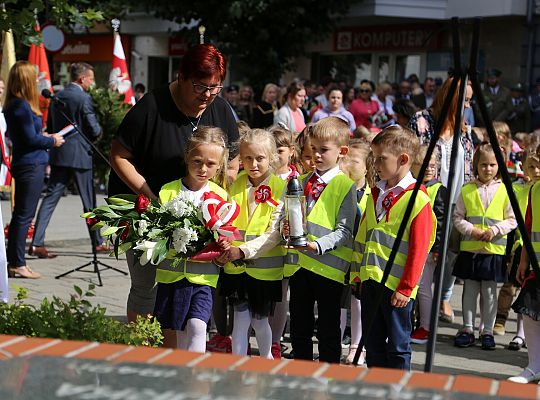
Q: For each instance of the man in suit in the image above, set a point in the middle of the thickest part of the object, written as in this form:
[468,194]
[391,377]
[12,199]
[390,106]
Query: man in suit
[519,118]
[425,100]
[498,99]
[74,159]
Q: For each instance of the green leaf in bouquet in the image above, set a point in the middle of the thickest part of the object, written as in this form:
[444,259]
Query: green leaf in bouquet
[154,233]
[123,247]
[122,207]
[110,230]
[126,196]
[133,215]
[117,201]
[160,252]
[98,225]
[89,214]
[104,209]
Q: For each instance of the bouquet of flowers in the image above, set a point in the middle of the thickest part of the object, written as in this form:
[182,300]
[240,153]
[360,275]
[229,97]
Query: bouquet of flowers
[175,230]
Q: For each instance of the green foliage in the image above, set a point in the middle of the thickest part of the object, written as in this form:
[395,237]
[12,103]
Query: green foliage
[75,319]
[265,35]
[110,111]
[20,15]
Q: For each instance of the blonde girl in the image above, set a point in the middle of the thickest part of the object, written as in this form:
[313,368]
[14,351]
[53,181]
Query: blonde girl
[484,216]
[254,268]
[184,295]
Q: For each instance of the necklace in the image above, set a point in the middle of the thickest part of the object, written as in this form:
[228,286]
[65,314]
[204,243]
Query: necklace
[195,126]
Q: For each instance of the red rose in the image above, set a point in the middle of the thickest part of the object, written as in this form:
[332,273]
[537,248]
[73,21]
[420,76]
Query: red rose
[92,221]
[142,203]
[125,231]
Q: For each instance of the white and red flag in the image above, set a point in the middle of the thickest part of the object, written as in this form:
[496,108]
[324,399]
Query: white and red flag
[119,77]
[38,57]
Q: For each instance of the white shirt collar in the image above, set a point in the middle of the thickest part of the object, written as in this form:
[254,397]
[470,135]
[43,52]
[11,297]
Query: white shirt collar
[403,183]
[328,175]
[79,86]
[265,182]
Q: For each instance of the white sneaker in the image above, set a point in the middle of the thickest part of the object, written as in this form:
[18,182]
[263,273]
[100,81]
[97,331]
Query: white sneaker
[530,376]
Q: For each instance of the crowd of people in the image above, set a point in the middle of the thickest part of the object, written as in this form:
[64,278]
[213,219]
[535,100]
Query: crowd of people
[356,155]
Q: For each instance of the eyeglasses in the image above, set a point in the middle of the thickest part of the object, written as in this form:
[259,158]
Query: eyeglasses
[200,89]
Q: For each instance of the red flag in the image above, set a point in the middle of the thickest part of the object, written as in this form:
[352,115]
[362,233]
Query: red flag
[38,57]
[119,77]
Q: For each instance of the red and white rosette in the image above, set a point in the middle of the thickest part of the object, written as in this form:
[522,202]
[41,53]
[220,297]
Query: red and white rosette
[264,195]
[218,214]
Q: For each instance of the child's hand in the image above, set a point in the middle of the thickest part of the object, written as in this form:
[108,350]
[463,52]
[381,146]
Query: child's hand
[435,257]
[487,235]
[224,244]
[521,272]
[235,253]
[285,228]
[399,300]
[477,233]
[221,260]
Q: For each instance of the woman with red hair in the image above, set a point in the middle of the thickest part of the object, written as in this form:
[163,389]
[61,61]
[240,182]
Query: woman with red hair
[150,147]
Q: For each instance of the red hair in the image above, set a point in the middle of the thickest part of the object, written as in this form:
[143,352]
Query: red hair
[203,61]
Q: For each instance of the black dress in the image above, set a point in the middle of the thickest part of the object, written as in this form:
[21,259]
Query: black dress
[528,300]
[263,115]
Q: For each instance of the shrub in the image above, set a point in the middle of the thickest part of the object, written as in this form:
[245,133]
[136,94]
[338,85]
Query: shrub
[75,319]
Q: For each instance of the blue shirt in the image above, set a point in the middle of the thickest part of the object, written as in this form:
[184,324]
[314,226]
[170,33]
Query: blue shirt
[24,130]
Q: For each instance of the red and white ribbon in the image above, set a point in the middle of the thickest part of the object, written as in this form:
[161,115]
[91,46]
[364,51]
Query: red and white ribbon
[264,195]
[218,214]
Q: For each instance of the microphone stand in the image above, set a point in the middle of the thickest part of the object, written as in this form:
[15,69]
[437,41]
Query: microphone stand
[95,261]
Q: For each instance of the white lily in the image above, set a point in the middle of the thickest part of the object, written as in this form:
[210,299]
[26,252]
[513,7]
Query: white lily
[142,227]
[147,247]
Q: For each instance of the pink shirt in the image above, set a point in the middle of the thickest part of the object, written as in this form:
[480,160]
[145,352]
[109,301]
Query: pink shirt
[298,119]
[362,111]
[487,192]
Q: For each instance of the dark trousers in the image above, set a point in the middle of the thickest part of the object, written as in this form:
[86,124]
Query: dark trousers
[306,289]
[28,185]
[388,341]
[59,179]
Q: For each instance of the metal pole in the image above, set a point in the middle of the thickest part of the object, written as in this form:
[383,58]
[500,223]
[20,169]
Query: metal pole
[441,262]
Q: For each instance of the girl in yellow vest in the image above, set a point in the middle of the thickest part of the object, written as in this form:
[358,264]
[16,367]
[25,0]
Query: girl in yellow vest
[286,170]
[484,216]
[522,187]
[184,295]
[355,166]
[254,268]
[437,194]
[528,301]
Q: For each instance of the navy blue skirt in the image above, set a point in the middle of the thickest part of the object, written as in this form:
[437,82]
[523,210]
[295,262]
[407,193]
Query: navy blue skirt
[260,295]
[182,300]
[528,300]
[480,267]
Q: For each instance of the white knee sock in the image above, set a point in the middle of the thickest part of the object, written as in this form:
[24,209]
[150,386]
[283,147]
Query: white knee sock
[532,333]
[242,321]
[520,330]
[279,319]
[196,335]
[356,321]
[263,333]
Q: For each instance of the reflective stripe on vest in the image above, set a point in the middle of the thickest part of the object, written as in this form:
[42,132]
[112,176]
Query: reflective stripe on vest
[375,239]
[522,191]
[432,192]
[484,218]
[200,273]
[269,266]
[535,227]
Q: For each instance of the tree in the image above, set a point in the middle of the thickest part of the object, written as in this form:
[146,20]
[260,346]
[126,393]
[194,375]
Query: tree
[265,35]
[20,15]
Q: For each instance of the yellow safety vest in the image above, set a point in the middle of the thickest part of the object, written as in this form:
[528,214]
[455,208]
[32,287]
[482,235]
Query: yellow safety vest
[363,200]
[321,221]
[374,241]
[522,194]
[484,218]
[432,191]
[269,266]
[198,272]
[535,231]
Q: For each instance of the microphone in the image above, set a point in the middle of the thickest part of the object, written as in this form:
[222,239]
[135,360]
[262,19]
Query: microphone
[48,95]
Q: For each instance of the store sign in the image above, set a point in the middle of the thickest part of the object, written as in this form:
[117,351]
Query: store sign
[90,48]
[398,37]
[177,46]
